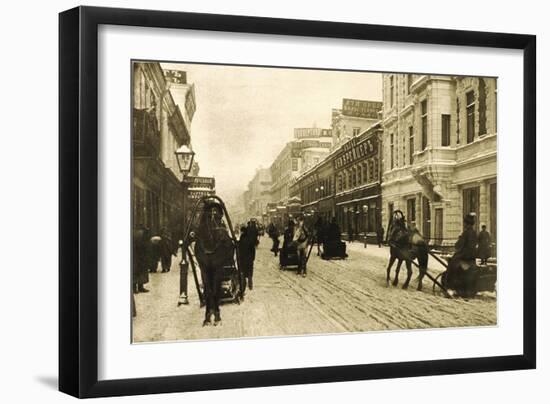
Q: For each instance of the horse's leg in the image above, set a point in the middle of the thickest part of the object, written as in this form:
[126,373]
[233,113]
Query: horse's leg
[409,274]
[423,265]
[388,270]
[217,295]
[208,295]
[396,279]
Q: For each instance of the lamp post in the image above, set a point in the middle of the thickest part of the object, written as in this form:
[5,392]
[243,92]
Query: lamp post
[366,212]
[184,157]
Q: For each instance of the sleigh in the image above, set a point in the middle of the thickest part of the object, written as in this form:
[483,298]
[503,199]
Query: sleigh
[467,281]
[232,278]
[334,250]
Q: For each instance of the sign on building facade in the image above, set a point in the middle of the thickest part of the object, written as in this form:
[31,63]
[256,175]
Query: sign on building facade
[361,108]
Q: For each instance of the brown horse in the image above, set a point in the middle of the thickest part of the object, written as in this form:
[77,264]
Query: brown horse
[213,249]
[405,245]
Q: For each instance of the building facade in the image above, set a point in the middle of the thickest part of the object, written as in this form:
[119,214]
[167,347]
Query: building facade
[357,188]
[439,159]
[309,147]
[346,186]
[159,128]
[258,196]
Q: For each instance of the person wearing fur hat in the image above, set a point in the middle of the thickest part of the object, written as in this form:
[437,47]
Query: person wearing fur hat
[462,265]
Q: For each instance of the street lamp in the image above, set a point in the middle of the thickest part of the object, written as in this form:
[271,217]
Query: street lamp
[184,156]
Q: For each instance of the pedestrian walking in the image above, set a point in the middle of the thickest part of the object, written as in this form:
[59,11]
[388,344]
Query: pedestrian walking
[247,248]
[484,241]
[273,233]
[319,234]
[166,251]
[140,263]
[380,235]
[350,232]
[154,252]
[301,236]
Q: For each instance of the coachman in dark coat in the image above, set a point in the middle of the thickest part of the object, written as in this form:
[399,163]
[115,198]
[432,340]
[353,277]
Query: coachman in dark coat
[462,269]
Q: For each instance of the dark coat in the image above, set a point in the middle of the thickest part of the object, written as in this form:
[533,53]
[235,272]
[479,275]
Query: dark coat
[484,244]
[247,247]
[466,246]
[140,257]
[333,233]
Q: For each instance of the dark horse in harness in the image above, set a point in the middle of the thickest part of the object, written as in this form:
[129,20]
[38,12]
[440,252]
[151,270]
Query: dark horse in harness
[214,248]
[405,245]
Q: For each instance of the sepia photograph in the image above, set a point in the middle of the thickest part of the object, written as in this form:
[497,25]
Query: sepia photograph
[277,202]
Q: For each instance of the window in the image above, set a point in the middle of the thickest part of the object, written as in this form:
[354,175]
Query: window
[493,210]
[445,130]
[457,121]
[426,218]
[411,210]
[391,151]
[482,116]
[294,164]
[470,116]
[366,173]
[356,131]
[424,118]
[359,177]
[391,90]
[470,203]
[411,144]
[375,169]
[438,239]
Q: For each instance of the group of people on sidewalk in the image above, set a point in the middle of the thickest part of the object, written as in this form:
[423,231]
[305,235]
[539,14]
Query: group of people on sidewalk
[148,250]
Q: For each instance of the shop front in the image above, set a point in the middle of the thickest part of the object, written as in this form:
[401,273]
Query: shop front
[358,214]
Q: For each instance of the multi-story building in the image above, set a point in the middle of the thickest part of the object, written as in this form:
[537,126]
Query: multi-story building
[353,118]
[259,193]
[357,188]
[159,128]
[439,152]
[309,147]
[346,185]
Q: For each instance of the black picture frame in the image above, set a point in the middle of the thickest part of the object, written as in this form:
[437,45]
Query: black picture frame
[78,196]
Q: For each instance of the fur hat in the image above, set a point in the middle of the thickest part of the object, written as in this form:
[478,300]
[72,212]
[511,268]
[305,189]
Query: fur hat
[469,219]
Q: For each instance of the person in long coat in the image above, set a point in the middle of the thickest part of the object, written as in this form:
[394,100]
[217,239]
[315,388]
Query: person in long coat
[166,249]
[319,236]
[484,244]
[462,266]
[247,248]
[301,237]
[273,233]
[140,259]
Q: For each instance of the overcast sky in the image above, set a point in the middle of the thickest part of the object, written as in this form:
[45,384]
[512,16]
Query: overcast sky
[245,115]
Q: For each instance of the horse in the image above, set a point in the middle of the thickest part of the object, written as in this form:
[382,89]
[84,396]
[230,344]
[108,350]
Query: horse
[213,249]
[405,245]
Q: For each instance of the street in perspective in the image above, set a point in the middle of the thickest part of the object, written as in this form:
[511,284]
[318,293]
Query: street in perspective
[284,202]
